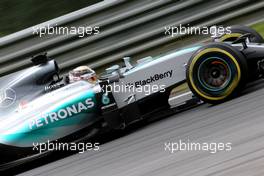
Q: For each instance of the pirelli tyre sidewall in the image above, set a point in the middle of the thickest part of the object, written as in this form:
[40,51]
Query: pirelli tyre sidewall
[238,30]
[216,72]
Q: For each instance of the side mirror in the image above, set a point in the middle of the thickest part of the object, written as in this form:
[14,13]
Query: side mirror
[112,69]
[114,73]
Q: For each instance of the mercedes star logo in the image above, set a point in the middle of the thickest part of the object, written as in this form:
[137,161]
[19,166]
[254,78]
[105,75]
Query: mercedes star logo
[7,97]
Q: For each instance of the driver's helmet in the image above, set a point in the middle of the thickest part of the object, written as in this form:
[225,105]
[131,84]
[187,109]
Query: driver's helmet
[83,73]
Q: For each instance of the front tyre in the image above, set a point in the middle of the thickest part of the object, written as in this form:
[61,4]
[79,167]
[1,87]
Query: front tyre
[216,72]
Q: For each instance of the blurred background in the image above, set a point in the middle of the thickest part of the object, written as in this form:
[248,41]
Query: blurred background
[20,14]
[133,28]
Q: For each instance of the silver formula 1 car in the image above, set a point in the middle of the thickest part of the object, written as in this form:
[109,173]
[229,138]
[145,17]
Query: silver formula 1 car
[37,105]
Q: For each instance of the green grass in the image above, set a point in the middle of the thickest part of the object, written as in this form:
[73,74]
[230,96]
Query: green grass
[259,27]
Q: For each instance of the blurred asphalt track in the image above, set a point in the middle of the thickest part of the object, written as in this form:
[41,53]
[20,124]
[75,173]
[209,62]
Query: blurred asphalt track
[239,121]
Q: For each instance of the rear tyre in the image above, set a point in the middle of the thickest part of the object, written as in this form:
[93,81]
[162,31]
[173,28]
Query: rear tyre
[238,30]
[216,72]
